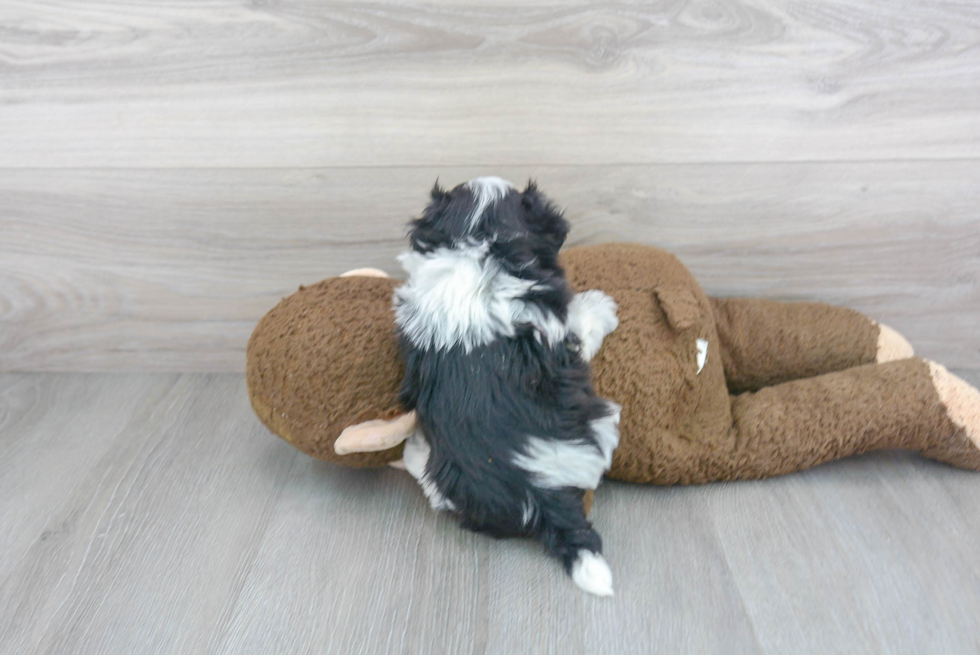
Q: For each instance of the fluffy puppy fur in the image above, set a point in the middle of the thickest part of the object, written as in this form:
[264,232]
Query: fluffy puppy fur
[495,347]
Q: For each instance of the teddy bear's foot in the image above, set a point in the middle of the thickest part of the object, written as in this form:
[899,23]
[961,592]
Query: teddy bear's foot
[892,345]
[962,403]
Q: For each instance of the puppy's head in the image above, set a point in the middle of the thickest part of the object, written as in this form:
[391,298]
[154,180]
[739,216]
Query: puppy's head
[521,227]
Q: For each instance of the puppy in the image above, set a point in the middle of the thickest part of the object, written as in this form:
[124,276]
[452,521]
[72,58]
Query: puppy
[510,432]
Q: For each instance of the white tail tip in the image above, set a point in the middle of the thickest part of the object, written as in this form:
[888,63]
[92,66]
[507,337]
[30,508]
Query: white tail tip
[591,573]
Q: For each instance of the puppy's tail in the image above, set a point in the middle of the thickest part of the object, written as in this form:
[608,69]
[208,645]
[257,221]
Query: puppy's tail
[579,547]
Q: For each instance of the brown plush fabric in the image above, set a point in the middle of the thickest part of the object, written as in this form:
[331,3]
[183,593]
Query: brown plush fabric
[649,364]
[326,358]
[759,353]
[832,416]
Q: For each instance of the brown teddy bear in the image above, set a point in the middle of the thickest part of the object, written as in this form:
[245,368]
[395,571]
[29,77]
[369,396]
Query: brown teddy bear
[711,389]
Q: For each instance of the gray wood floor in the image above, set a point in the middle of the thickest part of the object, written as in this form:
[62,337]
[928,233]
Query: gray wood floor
[152,513]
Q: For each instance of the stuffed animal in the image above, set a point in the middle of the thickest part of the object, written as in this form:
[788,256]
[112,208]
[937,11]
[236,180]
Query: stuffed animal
[710,388]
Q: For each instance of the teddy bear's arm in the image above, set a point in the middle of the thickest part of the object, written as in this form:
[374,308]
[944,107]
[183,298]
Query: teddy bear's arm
[764,342]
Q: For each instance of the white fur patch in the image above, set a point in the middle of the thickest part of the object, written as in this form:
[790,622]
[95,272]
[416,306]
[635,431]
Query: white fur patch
[463,297]
[591,317]
[415,457]
[547,326]
[528,514]
[487,191]
[702,353]
[591,573]
[555,464]
[606,431]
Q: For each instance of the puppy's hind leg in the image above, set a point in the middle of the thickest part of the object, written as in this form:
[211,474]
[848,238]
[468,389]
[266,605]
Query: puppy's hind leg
[569,536]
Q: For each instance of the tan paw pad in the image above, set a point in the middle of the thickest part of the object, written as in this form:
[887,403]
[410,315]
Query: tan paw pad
[962,400]
[892,346]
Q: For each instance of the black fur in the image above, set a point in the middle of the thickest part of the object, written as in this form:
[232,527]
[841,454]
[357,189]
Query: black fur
[477,408]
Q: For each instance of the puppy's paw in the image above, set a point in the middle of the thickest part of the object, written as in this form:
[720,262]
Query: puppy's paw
[592,316]
[591,573]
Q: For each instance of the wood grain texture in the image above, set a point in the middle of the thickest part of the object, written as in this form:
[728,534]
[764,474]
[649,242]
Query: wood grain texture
[110,83]
[146,496]
[171,269]
[182,526]
[170,170]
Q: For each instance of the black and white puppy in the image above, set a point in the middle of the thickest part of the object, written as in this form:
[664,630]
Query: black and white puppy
[510,432]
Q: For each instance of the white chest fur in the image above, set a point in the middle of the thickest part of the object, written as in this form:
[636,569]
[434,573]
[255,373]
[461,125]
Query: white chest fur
[462,297]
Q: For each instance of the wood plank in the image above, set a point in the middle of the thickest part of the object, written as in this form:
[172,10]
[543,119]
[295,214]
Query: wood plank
[857,557]
[171,269]
[670,556]
[188,528]
[144,506]
[40,465]
[361,565]
[109,83]
[378,572]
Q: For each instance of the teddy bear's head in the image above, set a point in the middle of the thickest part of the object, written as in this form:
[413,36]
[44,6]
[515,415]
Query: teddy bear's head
[326,358]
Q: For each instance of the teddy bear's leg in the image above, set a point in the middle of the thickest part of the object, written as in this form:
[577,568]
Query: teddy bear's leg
[764,342]
[910,404]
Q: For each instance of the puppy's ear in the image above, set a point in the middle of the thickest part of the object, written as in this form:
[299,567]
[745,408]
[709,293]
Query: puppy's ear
[542,216]
[372,436]
[424,233]
[438,194]
[531,197]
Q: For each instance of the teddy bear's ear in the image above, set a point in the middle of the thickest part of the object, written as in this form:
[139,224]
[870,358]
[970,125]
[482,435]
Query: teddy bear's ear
[681,306]
[372,436]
